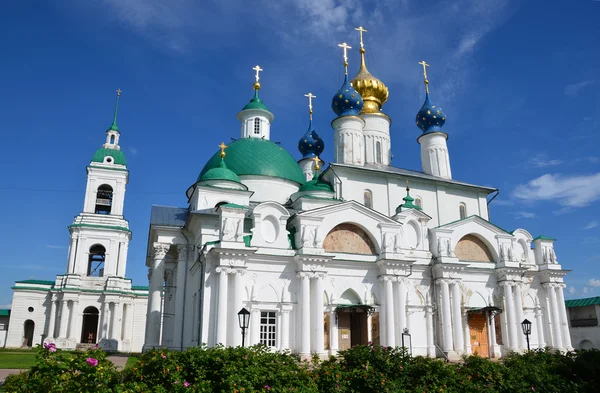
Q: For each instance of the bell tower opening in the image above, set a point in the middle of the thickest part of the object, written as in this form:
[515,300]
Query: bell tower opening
[104,198]
[96,261]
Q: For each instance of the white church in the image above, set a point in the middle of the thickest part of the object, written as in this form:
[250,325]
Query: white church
[92,302]
[324,260]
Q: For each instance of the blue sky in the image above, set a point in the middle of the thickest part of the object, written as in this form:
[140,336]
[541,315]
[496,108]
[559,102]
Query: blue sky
[518,81]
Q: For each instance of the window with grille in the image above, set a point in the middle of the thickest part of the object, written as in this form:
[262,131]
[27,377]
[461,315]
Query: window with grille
[268,328]
[256,125]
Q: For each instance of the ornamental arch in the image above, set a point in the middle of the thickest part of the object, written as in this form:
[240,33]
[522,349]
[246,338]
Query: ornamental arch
[472,248]
[349,238]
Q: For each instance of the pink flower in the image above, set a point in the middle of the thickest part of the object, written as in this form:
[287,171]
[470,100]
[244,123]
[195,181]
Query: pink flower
[186,384]
[532,388]
[51,347]
[164,356]
[92,362]
[267,387]
[95,346]
[176,382]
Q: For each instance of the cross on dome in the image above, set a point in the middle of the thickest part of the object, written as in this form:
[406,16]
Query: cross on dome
[317,160]
[257,69]
[222,146]
[345,47]
[310,97]
[361,30]
[426,81]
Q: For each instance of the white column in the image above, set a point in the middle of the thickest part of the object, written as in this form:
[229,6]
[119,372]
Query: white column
[72,252]
[318,328]
[305,314]
[237,306]
[401,304]
[127,313]
[52,319]
[510,316]
[389,312]
[75,322]
[333,333]
[64,319]
[446,319]
[117,322]
[539,322]
[564,322]
[285,329]
[254,326]
[182,258]
[457,319]
[519,314]
[556,331]
[123,259]
[491,334]
[222,306]
[104,317]
[429,328]
[154,317]
[467,332]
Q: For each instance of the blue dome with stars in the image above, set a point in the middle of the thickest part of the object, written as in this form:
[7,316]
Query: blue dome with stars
[430,118]
[347,101]
[311,145]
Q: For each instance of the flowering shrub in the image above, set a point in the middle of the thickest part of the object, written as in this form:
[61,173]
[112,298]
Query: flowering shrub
[257,369]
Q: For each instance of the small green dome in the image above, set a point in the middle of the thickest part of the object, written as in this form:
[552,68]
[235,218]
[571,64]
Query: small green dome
[258,157]
[256,103]
[220,173]
[316,185]
[117,156]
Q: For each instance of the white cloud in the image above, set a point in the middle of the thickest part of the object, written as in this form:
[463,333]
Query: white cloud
[568,191]
[541,161]
[594,283]
[591,225]
[572,290]
[55,246]
[574,88]
[585,290]
[522,214]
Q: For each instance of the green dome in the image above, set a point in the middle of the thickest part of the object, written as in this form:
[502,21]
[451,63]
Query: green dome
[259,157]
[316,185]
[256,103]
[117,156]
[220,173]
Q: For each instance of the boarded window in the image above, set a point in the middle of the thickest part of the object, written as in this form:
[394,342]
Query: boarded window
[349,239]
[368,198]
[472,248]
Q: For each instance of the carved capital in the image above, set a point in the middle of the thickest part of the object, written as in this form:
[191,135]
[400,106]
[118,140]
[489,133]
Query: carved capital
[387,278]
[183,252]
[160,250]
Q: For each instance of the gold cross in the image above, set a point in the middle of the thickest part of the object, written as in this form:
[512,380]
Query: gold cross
[222,146]
[310,97]
[345,47]
[361,30]
[257,69]
[425,65]
[119,92]
[316,160]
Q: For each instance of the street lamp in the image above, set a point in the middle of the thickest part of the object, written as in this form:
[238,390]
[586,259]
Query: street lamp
[407,334]
[526,325]
[244,319]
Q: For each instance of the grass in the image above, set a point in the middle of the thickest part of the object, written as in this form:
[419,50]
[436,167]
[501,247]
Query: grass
[131,361]
[17,359]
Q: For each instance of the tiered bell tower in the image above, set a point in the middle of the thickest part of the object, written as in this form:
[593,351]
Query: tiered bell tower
[100,234]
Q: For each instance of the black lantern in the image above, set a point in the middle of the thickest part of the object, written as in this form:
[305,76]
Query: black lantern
[244,320]
[406,334]
[526,325]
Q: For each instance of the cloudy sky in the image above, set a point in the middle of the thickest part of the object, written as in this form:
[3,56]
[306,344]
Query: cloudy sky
[518,81]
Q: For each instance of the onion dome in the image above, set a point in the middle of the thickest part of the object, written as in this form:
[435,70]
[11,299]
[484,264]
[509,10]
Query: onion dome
[347,101]
[255,102]
[220,173]
[431,118]
[408,203]
[311,145]
[316,186]
[372,90]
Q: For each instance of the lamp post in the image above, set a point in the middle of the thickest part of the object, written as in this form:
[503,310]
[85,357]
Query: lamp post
[406,333]
[244,320]
[526,325]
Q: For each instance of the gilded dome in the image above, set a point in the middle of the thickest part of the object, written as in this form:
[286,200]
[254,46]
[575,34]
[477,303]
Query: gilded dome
[372,90]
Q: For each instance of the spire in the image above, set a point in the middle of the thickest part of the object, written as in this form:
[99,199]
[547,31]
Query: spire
[114,126]
[430,118]
[373,91]
[256,102]
[408,202]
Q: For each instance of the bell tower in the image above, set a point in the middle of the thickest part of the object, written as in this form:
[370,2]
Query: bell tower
[100,234]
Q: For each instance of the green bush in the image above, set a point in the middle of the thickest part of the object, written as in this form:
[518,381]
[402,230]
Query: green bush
[257,369]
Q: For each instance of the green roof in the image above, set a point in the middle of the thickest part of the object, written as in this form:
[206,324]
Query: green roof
[139,287]
[5,312]
[408,202]
[259,157]
[256,103]
[316,184]
[590,301]
[544,238]
[40,282]
[220,173]
[233,206]
[117,155]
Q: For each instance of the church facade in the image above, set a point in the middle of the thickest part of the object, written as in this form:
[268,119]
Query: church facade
[324,260]
[92,302]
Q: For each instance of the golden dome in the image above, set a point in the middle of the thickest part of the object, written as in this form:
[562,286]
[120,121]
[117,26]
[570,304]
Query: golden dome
[372,90]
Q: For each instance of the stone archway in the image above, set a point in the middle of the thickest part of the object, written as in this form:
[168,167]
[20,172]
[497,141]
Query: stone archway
[472,248]
[89,328]
[349,239]
[28,329]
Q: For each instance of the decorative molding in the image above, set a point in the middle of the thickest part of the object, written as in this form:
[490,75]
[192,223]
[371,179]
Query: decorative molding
[160,250]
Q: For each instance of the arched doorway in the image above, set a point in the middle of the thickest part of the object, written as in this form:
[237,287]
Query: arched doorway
[28,328]
[89,330]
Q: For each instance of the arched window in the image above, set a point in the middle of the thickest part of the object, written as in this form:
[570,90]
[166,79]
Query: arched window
[368,197]
[256,126]
[462,210]
[349,239]
[104,198]
[418,202]
[472,248]
[378,152]
[89,328]
[96,261]
[112,139]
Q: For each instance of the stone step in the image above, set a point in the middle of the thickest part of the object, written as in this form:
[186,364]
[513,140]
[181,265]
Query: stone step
[83,347]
